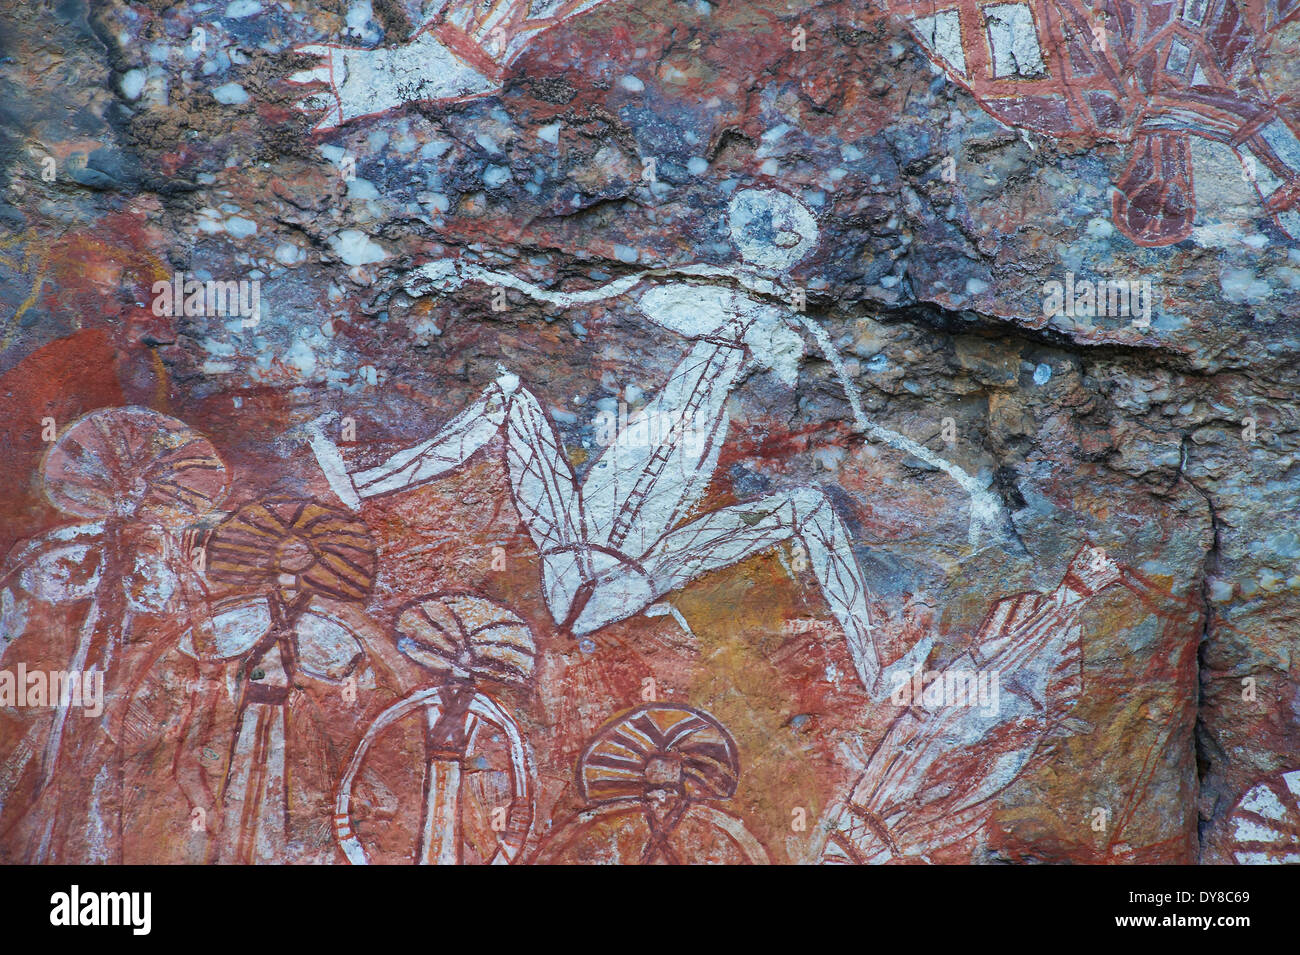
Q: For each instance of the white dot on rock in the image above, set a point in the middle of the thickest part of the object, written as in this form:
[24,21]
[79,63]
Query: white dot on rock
[240,228]
[354,247]
[242,8]
[231,94]
[133,83]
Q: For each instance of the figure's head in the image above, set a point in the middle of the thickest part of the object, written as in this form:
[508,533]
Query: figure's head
[467,638]
[771,229]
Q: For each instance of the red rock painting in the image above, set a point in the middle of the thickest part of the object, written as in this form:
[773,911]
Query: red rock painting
[1146,75]
[551,432]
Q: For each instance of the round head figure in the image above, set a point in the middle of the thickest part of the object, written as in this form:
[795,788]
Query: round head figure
[771,229]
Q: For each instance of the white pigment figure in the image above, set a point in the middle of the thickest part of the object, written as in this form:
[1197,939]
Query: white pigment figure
[614,545]
[465,50]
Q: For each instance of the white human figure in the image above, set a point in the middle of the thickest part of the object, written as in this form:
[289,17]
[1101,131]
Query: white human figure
[615,544]
[772,232]
[463,51]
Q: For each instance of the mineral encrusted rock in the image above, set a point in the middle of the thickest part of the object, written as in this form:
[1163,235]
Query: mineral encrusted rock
[834,191]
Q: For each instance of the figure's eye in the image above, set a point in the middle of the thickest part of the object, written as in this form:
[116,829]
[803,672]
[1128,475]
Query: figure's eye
[787,239]
[1013,40]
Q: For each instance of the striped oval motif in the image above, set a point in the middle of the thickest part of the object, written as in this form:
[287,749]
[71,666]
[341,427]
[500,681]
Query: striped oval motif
[134,463]
[1265,825]
[294,544]
[467,636]
[660,746]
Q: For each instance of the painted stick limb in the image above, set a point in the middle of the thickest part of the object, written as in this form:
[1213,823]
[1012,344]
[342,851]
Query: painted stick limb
[446,740]
[519,814]
[448,275]
[331,463]
[253,799]
[441,822]
[256,756]
[440,825]
[986,509]
[563,299]
[453,444]
[445,275]
[344,831]
[77,664]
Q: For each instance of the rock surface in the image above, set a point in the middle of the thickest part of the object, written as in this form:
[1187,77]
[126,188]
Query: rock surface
[856,257]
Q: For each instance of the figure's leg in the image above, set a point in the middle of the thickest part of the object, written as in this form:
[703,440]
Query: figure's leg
[448,449]
[545,493]
[542,483]
[729,535]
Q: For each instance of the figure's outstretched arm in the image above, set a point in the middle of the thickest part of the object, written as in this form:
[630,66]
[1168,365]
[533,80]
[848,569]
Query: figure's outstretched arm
[464,51]
[443,275]
[363,82]
[446,275]
[986,510]
[454,443]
